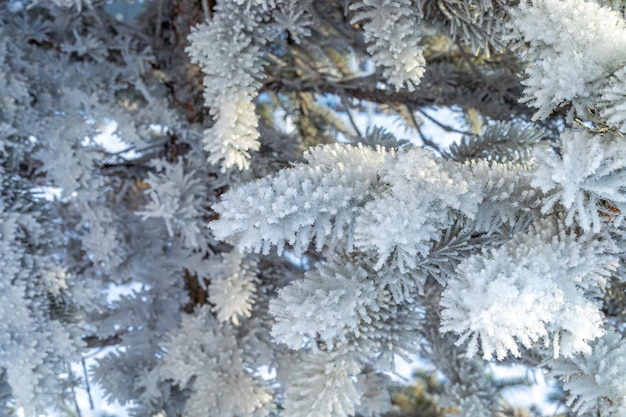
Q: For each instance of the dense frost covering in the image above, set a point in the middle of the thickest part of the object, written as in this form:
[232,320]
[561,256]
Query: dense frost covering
[575,44]
[596,376]
[529,290]
[392,30]
[313,203]
[590,170]
[252,250]
[229,82]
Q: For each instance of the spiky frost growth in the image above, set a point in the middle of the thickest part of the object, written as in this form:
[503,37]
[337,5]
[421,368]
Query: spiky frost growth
[174,198]
[227,49]
[233,287]
[586,179]
[203,356]
[595,380]
[612,103]
[373,325]
[326,305]
[235,132]
[392,31]
[412,196]
[324,386]
[293,17]
[528,290]
[572,44]
[422,196]
[314,202]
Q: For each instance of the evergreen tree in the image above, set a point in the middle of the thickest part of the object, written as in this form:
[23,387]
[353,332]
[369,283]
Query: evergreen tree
[252,250]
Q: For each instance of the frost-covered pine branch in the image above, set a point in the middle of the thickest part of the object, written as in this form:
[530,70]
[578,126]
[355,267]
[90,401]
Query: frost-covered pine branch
[392,30]
[325,386]
[233,287]
[229,54]
[313,203]
[228,49]
[546,271]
